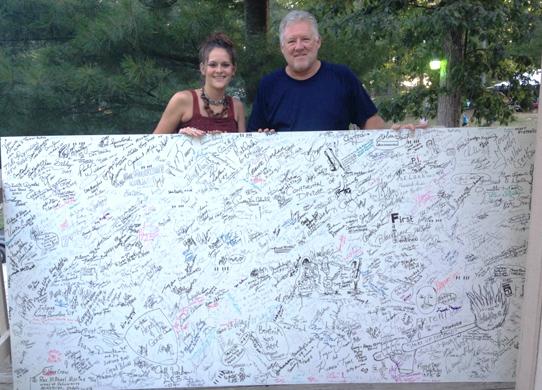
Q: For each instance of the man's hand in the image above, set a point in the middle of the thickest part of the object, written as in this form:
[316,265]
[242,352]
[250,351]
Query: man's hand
[376,122]
[409,126]
[266,131]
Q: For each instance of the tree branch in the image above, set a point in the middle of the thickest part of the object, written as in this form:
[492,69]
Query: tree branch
[63,39]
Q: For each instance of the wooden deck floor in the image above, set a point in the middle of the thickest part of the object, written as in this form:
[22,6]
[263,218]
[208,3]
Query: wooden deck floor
[6,380]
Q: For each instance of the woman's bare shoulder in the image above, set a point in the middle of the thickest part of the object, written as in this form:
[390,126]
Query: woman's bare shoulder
[182,98]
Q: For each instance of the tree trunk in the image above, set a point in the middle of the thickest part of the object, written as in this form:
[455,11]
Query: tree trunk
[256,16]
[256,25]
[449,100]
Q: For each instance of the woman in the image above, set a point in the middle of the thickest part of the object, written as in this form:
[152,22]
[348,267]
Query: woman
[208,109]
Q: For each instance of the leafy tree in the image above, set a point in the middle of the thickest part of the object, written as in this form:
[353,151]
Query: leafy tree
[261,53]
[107,66]
[481,40]
[256,16]
[101,66]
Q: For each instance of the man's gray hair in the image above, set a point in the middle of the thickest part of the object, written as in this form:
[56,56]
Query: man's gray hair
[298,16]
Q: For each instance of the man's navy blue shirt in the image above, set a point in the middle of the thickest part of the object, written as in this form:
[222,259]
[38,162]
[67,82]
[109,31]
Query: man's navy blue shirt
[332,99]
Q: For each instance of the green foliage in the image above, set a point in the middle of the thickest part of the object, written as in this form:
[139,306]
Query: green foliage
[490,107]
[260,56]
[72,67]
[418,102]
[96,66]
[499,40]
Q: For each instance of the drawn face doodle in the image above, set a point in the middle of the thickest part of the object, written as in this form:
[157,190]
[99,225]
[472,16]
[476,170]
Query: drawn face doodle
[426,299]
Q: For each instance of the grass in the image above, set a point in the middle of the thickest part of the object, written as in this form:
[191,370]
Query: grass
[525,119]
[522,119]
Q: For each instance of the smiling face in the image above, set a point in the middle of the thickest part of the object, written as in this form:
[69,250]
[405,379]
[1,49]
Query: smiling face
[218,69]
[300,47]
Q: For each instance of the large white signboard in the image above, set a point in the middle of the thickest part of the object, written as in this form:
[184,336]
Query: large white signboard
[320,257]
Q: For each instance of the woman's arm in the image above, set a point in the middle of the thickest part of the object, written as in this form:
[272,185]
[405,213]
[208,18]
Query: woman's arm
[178,110]
[239,109]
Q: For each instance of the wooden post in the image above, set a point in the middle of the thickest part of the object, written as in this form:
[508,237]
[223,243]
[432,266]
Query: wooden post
[5,350]
[5,347]
[529,368]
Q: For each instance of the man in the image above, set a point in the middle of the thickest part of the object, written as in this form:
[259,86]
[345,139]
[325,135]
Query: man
[310,94]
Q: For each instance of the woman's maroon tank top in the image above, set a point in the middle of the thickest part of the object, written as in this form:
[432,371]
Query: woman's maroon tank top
[227,124]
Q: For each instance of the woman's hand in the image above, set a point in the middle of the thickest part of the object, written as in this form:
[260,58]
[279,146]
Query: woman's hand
[192,132]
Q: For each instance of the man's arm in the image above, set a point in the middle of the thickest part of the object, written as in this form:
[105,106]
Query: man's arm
[374,122]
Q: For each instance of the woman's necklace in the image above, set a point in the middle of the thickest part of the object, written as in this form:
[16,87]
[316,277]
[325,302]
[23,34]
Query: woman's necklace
[207,103]
[212,102]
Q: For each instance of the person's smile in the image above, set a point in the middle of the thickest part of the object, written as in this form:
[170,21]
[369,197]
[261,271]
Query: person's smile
[300,49]
[218,70]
